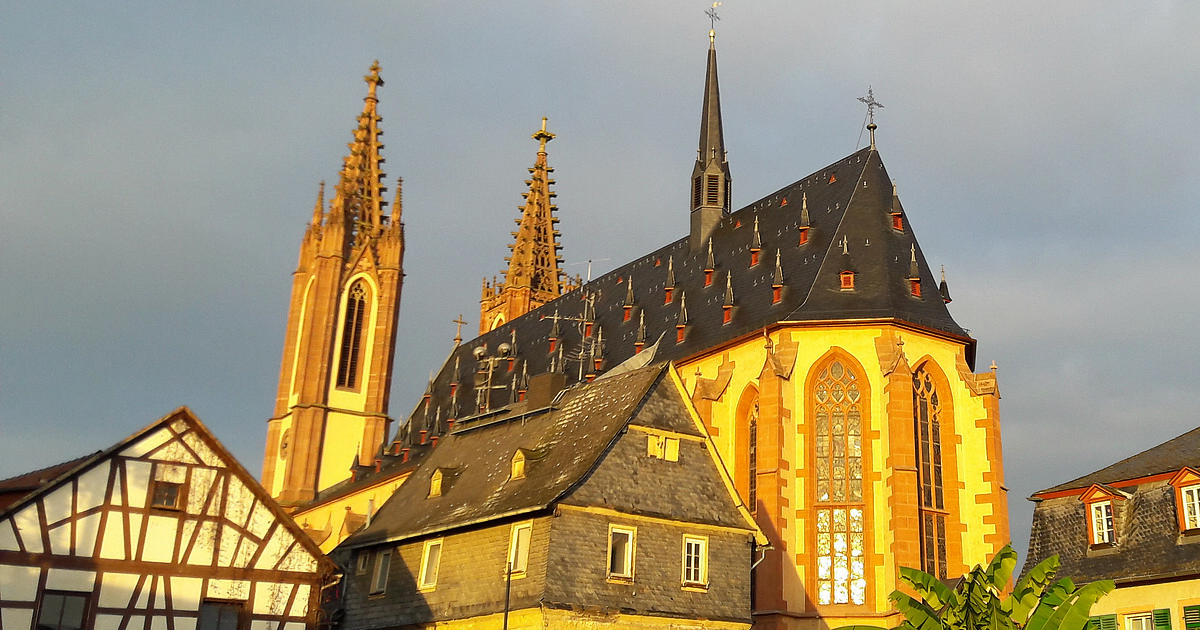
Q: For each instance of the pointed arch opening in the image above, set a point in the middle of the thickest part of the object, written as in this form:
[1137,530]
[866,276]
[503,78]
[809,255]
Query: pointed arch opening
[839,406]
[933,428]
[353,319]
[746,457]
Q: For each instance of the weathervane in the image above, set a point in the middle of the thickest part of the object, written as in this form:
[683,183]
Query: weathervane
[713,18]
[871,103]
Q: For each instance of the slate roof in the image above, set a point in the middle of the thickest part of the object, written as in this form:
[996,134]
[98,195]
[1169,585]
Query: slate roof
[563,444]
[1170,456]
[849,204]
[15,488]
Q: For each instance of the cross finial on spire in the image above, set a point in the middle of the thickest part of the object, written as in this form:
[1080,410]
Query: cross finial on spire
[543,136]
[871,103]
[458,329]
[713,18]
[373,79]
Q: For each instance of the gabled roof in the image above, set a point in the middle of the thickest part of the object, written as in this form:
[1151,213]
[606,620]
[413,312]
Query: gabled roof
[1170,456]
[15,488]
[562,445]
[850,204]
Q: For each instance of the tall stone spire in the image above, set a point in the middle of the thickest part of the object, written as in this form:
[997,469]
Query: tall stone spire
[534,275]
[358,199]
[710,177]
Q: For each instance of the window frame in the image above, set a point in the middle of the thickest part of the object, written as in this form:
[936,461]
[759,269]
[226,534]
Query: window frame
[180,494]
[424,583]
[64,596]
[700,578]
[629,557]
[1189,522]
[1107,519]
[518,564]
[221,605]
[379,573]
[1145,617]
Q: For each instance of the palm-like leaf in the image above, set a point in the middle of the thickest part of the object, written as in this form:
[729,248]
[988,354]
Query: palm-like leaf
[932,590]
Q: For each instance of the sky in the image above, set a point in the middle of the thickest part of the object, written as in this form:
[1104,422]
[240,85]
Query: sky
[159,162]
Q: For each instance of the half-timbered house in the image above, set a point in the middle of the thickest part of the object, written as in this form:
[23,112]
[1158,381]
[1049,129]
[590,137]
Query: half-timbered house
[163,531]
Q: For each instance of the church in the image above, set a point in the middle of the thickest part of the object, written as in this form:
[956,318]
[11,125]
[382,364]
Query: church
[808,329]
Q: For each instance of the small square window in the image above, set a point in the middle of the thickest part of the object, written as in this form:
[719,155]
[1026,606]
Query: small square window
[431,559]
[220,615]
[847,280]
[621,543]
[62,611]
[383,563]
[1140,621]
[518,548]
[167,495]
[695,561]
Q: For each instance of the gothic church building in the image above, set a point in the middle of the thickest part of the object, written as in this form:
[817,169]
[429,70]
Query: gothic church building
[809,330]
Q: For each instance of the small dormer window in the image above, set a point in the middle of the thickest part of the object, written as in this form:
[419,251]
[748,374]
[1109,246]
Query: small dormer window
[435,484]
[914,286]
[1191,507]
[1187,499]
[1103,530]
[518,466]
[847,280]
[898,222]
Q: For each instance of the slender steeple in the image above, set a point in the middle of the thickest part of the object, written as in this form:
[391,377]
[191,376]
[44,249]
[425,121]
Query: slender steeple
[534,276]
[359,199]
[710,177]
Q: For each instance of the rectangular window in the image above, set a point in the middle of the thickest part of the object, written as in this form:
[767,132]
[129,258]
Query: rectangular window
[695,561]
[167,495]
[1162,619]
[220,615]
[383,563]
[620,552]
[1191,617]
[1191,507]
[713,193]
[1140,621]
[62,611]
[1102,523]
[518,548]
[364,561]
[431,559]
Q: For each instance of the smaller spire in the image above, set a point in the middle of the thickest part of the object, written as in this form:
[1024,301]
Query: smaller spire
[943,288]
[398,202]
[319,207]
[804,220]
[683,316]
[777,281]
[670,272]
[640,340]
[710,263]
[756,240]
[629,291]
[728,291]
[914,272]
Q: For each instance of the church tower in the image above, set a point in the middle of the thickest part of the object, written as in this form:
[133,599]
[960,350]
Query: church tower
[710,176]
[534,277]
[331,412]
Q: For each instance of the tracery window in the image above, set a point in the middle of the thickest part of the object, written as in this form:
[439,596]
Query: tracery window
[352,333]
[841,575]
[927,416]
[752,457]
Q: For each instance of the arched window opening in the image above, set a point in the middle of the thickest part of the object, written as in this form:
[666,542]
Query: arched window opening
[927,414]
[841,574]
[752,457]
[352,333]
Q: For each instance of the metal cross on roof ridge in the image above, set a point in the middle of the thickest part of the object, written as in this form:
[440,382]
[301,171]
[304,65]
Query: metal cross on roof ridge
[871,103]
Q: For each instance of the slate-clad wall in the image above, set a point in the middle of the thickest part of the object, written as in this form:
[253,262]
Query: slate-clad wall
[470,580]
[578,563]
[1147,532]
[629,480]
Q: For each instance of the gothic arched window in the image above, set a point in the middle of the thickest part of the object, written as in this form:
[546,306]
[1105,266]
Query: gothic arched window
[838,423]
[927,416]
[352,335]
[752,457]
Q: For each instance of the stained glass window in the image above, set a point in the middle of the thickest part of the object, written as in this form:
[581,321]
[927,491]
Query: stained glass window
[928,427]
[841,571]
[752,458]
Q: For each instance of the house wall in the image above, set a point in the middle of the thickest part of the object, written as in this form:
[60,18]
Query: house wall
[1130,600]
[96,534]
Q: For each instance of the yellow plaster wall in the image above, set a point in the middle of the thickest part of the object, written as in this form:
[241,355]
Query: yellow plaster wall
[275,485]
[546,618]
[814,345]
[1129,600]
[332,514]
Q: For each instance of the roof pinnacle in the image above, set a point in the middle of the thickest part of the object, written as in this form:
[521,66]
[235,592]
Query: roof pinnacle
[871,103]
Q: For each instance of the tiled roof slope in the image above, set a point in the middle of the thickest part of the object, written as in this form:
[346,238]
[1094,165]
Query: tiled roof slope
[15,488]
[849,201]
[1170,456]
[563,444]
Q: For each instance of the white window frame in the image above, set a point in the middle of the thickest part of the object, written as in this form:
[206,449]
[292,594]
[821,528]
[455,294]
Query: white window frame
[518,559]
[1190,496]
[695,576]
[427,581]
[629,557]
[1103,523]
[1139,621]
[379,575]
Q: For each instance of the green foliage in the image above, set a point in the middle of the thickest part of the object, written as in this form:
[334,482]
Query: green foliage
[1037,601]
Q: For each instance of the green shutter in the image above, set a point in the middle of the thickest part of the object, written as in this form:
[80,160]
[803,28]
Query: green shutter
[1103,622]
[1191,617]
[1162,619]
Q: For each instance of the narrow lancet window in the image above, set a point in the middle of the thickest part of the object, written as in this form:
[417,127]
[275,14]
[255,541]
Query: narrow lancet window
[841,553]
[352,333]
[927,413]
